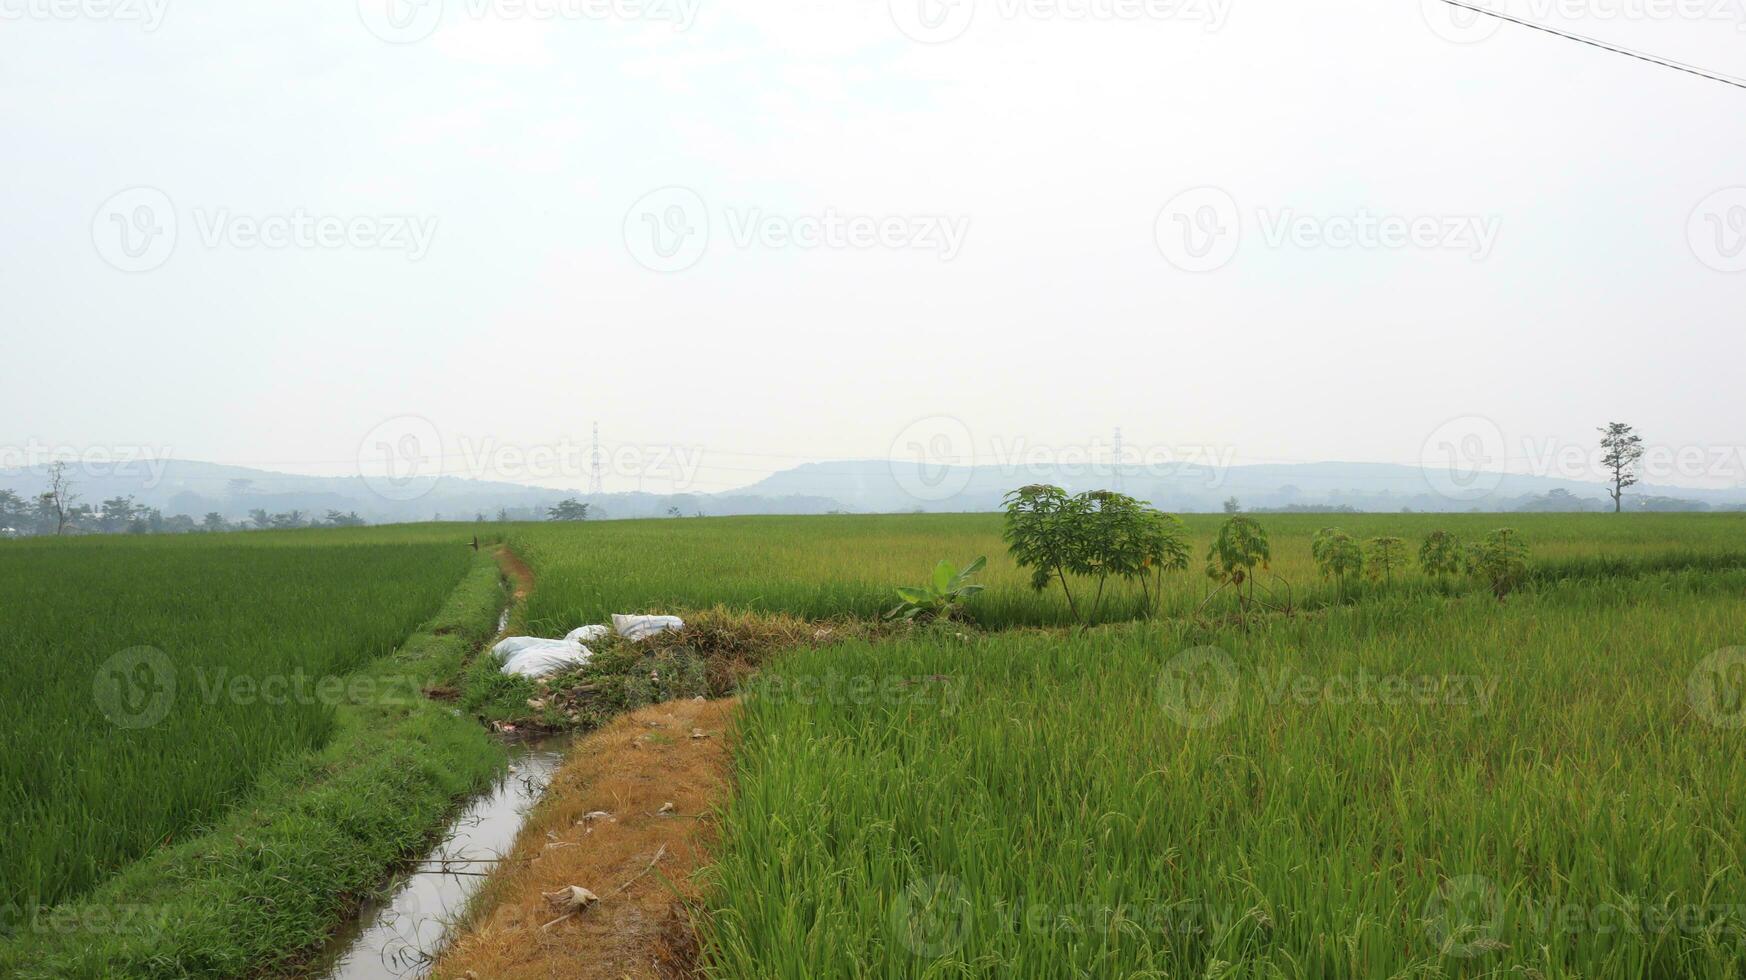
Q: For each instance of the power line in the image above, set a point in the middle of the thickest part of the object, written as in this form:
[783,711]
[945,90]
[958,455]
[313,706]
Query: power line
[1604,46]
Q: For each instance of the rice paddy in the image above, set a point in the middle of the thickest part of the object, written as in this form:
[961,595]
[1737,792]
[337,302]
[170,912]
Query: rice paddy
[1406,778]
[1550,787]
[152,682]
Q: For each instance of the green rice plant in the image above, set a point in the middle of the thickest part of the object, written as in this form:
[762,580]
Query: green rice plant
[152,681]
[1424,786]
[829,567]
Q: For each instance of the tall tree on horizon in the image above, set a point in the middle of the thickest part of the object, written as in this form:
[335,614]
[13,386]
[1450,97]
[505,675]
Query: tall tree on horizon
[1624,447]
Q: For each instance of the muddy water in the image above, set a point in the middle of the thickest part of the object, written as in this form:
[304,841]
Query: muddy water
[398,934]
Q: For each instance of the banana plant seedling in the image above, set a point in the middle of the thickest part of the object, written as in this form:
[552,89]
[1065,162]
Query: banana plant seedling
[943,597]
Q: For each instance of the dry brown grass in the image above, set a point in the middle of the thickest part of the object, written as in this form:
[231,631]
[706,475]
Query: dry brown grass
[638,860]
[733,645]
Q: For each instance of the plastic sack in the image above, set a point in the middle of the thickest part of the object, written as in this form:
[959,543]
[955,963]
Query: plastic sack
[588,634]
[530,656]
[550,657]
[642,627]
[509,646]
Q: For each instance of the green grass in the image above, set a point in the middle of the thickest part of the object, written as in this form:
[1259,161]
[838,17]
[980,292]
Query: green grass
[822,567]
[1049,804]
[251,888]
[87,790]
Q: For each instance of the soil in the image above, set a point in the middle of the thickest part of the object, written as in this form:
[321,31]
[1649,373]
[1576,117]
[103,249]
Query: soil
[657,783]
[521,577]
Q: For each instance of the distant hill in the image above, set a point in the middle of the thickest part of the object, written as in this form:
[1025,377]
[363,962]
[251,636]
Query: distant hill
[861,486]
[196,489]
[883,486]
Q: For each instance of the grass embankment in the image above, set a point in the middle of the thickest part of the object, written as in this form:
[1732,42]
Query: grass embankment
[1409,786]
[269,878]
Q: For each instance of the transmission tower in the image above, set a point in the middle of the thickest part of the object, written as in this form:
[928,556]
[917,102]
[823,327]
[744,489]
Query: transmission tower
[1116,465]
[594,463]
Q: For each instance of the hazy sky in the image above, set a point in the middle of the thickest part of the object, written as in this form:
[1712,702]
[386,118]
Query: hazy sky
[767,231]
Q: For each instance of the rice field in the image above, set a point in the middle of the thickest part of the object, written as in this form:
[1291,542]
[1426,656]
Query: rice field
[1412,780]
[152,682]
[823,567]
[1411,786]
[1408,779]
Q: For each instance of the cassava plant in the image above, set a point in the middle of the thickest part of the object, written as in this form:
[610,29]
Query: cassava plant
[1044,534]
[1097,535]
[1382,556]
[1338,555]
[1500,561]
[1440,555]
[1127,539]
[1239,549]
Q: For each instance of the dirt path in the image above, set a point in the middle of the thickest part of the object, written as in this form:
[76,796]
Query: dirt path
[521,577]
[657,782]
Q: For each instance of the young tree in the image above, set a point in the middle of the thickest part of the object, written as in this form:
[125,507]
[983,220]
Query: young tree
[1233,505]
[1624,447]
[1241,547]
[1440,554]
[118,512]
[1500,560]
[569,509]
[1042,533]
[13,511]
[59,499]
[1384,556]
[1338,555]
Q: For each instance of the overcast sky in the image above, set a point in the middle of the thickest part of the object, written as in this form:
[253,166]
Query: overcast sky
[769,231]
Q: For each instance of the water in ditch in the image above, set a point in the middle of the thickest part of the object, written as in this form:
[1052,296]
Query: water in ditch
[398,934]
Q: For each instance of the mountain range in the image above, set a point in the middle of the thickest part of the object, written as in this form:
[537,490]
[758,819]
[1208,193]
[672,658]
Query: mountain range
[860,486]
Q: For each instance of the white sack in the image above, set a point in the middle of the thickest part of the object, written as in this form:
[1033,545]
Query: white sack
[546,657]
[643,627]
[588,634]
[509,646]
